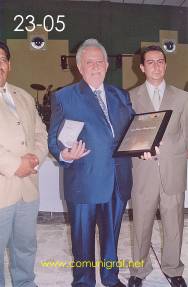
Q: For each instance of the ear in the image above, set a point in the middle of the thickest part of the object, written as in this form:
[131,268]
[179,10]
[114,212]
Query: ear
[79,68]
[9,66]
[142,68]
[107,65]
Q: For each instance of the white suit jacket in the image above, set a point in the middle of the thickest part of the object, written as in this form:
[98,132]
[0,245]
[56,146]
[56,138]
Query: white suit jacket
[19,135]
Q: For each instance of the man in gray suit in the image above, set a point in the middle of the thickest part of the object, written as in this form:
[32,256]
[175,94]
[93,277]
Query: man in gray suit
[23,146]
[160,182]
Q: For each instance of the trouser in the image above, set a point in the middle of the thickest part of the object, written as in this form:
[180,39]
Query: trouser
[18,233]
[83,219]
[171,207]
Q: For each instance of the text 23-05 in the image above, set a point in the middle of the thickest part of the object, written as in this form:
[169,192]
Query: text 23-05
[48,22]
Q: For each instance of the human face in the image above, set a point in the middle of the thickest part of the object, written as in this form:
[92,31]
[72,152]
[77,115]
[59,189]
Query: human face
[154,67]
[4,68]
[93,66]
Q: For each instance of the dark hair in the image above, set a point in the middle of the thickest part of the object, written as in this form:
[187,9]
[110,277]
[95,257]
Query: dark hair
[5,48]
[149,49]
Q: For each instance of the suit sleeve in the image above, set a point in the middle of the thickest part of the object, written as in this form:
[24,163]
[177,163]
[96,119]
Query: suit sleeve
[57,117]
[9,162]
[128,103]
[40,134]
[185,123]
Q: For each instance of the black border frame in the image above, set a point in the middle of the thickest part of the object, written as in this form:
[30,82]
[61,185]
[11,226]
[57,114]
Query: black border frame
[156,140]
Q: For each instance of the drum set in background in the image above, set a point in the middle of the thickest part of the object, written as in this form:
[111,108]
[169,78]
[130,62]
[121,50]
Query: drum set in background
[44,108]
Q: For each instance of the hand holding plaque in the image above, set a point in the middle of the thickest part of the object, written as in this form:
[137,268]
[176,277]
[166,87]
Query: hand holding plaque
[143,134]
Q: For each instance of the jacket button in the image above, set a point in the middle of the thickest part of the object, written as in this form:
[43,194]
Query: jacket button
[22,142]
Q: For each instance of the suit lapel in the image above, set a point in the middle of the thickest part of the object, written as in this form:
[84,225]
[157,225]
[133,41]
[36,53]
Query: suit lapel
[110,104]
[144,102]
[93,103]
[21,109]
[168,98]
[89,97]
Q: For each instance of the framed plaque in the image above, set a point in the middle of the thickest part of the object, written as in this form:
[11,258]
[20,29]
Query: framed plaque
[144,132]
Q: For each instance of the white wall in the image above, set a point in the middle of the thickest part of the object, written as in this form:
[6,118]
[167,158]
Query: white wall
[51,187]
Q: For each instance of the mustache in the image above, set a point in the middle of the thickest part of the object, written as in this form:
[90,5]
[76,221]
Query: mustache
[96,73]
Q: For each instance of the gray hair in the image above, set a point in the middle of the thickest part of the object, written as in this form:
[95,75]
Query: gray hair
[87,44]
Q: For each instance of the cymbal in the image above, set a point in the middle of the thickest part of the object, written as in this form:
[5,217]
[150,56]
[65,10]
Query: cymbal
[38,87]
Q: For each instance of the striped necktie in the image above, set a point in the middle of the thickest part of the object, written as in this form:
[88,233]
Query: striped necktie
[103,107]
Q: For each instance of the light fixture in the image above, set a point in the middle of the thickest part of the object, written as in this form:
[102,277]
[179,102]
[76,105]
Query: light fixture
[64,64]
[37,42]
[169,46]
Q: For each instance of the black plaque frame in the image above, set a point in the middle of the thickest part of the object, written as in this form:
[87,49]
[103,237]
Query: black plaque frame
[137,139]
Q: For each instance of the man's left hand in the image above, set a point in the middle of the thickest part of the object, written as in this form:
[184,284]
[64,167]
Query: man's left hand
[148,156]
[33,159]
[77,151]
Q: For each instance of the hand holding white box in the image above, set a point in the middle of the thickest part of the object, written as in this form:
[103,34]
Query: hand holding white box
[70,132]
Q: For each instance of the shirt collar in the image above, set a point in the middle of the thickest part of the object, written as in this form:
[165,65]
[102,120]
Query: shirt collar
[151,88]
[4,87]
[101,87]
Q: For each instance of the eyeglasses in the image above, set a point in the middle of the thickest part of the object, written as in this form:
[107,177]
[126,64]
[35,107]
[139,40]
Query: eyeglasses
[92,63]
[3,60]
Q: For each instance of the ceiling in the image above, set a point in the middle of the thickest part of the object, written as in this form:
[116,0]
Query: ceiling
[177,3]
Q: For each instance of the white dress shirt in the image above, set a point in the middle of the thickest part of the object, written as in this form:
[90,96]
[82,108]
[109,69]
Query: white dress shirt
[151,89]
[9,100]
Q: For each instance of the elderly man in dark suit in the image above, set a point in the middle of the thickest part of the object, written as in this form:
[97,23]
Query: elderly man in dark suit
[160,182]
[97,186]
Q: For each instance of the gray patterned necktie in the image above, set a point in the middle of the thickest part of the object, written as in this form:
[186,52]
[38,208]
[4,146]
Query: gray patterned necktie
[156,99]
[103,107]
[102,104]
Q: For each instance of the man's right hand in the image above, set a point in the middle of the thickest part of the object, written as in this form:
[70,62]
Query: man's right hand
[77,151]
[28,163]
